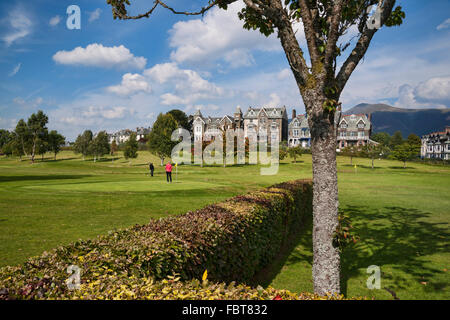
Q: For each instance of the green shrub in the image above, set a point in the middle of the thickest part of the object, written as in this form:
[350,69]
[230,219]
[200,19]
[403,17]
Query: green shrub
[233,240]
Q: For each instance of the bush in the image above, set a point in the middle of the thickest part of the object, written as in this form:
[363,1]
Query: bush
[233,240]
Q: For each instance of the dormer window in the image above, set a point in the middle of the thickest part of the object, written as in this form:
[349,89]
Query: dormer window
[360,125]
[343,125]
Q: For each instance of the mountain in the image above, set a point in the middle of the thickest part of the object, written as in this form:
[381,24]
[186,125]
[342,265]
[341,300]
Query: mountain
[389,119]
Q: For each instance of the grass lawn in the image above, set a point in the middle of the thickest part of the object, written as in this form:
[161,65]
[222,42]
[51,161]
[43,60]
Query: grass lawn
[401,215]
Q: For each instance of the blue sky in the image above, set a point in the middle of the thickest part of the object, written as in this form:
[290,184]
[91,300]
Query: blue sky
[115,74]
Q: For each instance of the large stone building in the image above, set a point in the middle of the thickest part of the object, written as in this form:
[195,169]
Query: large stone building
[123,136]
[352,130]
[436,145]
[298,131]
[257,120]
[253,121]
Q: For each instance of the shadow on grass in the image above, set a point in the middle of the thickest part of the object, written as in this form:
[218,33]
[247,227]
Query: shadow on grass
[57,160]
[394,236]
[38,178]
[287,255]
[401,168]
[399,237]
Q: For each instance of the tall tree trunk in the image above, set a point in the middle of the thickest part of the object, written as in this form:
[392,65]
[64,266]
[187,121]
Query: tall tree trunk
[326,262]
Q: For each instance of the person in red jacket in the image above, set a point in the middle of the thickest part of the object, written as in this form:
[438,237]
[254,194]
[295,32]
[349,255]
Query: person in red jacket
[169,171]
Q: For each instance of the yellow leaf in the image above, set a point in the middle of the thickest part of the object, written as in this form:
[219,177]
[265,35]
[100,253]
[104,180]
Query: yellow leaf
[205,275]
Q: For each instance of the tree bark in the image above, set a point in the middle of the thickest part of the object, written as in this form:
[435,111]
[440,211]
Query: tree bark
[326,262]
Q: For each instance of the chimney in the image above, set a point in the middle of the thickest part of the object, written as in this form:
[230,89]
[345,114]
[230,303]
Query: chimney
[294,114]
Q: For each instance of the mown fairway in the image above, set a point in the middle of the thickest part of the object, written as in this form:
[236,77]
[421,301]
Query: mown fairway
[401,215]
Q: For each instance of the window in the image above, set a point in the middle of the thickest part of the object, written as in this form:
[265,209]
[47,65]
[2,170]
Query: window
[360,125]
[343,125]
[361,134]
[343,134]
[198,129]
[295,132]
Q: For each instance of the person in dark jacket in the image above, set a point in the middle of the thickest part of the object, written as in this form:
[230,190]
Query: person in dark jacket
[152,168]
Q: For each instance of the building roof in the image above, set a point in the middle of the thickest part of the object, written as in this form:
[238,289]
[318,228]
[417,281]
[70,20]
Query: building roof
[272,113]
[352,121]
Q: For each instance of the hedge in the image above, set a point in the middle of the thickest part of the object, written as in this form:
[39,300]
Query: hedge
[233,240]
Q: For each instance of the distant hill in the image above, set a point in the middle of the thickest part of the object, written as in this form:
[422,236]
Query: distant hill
[389,119]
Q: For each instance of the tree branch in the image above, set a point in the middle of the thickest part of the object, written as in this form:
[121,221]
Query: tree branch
[122,13]
[361,47]
[310,32]
[333,34]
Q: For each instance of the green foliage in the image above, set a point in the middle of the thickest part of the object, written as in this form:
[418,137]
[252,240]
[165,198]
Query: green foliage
[413,139]
[114,147]
[99,146]
[381,137]
[405,152]
[350,151]
[396,17]
[295,152]
[159,138]
[23,137]
[181,118]
[233,240]
[344,236]
[283,150]
[82,143]
[5,137]
[255,21]
[131,147]
[396,139]
[55,142]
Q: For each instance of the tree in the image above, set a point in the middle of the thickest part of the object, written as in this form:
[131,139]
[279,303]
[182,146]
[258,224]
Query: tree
[37,126]
[131,147]
[320,85]
[181,118]
[373,151]
[82,143]
[42,145]
[159,139]
[295,152]
[405,152]
[414,140]
[381,137]
[55,141]
[23,137]
[99,146]
[350,151]
[5,137]
[114,147]
[396,139]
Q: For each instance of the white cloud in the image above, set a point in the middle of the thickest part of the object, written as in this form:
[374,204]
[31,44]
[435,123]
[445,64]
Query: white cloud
[284,74]
[275,101]
[34,103]
[54,21]
[20,25]
[219,35]
[107,113]
[131,84]
[434,89]
[15,70]
[187,86]
[94,15]
[96,55]
[444,25]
